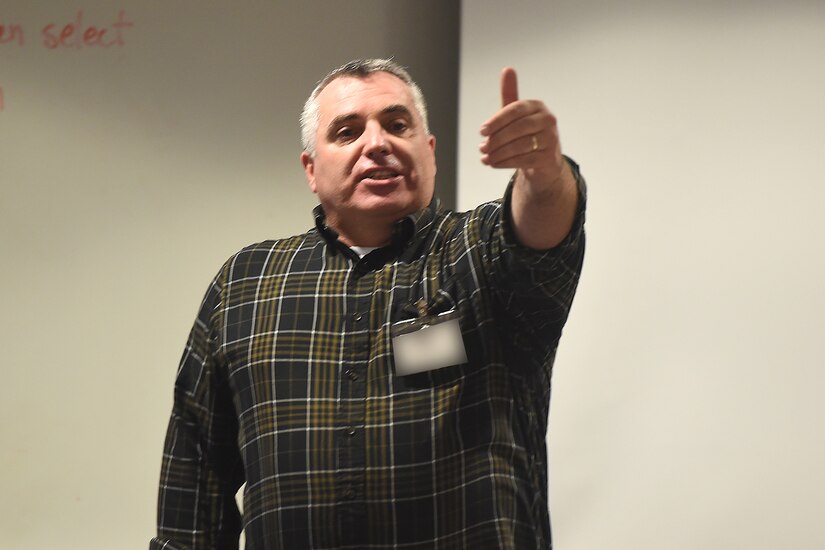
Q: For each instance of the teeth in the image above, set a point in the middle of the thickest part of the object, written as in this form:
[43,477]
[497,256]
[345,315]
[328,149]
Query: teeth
[381,174]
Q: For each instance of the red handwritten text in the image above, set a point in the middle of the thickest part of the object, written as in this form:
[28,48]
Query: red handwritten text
[79,35]
[10,33]
[76,34]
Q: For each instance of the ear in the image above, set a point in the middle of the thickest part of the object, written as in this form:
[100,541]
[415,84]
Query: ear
[431,143]
[309,170]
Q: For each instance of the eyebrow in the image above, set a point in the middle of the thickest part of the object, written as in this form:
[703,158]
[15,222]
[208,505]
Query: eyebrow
[396,109]
[389,110]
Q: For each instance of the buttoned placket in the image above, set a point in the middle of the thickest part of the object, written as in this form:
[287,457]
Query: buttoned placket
[351,440]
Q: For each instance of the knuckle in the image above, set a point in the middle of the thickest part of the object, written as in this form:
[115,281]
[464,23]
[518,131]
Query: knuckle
[549,118]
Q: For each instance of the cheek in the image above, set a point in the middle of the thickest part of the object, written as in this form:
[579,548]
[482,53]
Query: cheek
[338,165]
[325,169]
[426,164]
[332,180]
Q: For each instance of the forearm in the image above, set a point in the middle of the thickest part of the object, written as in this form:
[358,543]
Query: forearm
[196,498]
[537,284]
[202,467]
[543,215]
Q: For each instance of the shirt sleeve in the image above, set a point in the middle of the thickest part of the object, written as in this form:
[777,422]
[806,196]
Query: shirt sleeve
[201,470]
[535,288]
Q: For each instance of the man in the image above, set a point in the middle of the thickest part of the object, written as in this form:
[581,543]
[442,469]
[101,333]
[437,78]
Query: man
[383,380]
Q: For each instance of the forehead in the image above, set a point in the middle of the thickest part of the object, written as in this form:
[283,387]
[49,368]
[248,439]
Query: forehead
[363,96]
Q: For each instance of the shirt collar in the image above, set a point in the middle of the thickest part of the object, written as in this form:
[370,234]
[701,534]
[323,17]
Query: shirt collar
[410,228]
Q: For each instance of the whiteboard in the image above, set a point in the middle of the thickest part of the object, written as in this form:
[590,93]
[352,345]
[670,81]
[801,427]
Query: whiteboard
[687,409]
[142,143]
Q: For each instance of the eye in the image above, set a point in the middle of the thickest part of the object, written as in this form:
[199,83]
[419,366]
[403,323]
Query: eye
[398,126]
[345,134]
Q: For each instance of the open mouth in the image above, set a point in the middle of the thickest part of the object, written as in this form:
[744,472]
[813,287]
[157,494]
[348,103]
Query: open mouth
[380,175]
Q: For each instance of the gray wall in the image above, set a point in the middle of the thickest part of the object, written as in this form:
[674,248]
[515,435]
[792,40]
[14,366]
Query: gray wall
[127,175]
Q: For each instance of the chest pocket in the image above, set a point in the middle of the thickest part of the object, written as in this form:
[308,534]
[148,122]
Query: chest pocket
[430,303]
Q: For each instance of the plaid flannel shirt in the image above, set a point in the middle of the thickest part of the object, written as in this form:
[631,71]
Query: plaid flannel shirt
[287,383]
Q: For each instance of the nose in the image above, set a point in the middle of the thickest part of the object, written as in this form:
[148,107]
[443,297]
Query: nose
[376,143]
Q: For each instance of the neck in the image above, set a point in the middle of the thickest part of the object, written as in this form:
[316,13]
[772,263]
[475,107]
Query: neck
[367,229]
[362,230]
[364,235]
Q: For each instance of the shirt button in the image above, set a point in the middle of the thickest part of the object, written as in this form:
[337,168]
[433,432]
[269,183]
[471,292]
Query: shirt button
[351,374]
[349,493]
[357,316]
[351,432]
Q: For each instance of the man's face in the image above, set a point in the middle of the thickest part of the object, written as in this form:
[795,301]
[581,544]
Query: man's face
[374,162]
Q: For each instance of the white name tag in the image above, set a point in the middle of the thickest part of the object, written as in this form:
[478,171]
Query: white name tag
[427,343]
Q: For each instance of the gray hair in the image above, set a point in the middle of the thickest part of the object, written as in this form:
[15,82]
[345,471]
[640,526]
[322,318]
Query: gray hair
[359,68]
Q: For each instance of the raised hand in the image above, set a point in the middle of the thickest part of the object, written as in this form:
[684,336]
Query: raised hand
[523,135]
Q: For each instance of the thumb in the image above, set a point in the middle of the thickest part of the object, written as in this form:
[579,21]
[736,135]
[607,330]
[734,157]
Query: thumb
[509,86]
